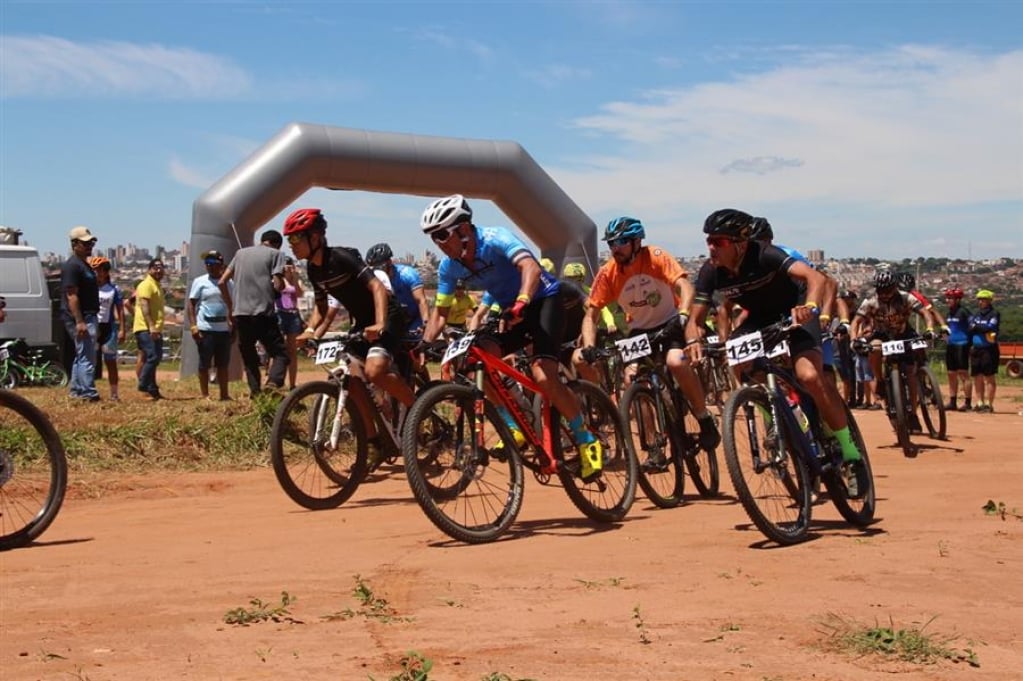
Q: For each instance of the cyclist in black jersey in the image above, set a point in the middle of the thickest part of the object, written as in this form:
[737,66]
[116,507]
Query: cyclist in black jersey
[770,285]
[342,273]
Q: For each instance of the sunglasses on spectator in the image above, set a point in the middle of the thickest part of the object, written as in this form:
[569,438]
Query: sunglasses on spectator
[719,241]
[87,242]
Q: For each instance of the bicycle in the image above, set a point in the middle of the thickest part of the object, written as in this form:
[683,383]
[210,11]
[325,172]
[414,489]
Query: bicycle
[319,447]
[775,443]
[897,357]
[33,471]
[714,373]
[24,366]
[662,425]
[465,467]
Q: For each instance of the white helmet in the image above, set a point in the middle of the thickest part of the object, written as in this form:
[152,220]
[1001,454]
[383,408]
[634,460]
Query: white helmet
[445,212]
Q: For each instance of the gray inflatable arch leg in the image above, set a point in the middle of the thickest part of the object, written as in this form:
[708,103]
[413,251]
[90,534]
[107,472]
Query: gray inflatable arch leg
[304,155]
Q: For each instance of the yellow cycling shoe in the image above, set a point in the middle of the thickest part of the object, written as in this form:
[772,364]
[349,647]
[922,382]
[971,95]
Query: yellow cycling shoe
[591,458]
[517,435]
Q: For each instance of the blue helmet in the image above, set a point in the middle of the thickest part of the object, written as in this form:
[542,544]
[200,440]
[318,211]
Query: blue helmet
[624,228]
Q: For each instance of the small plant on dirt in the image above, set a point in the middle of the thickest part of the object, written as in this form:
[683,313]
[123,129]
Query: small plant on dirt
[637,619]
[372,606]
[999,509]
[263,653]
[908,645]
[414,667]
[943,549]
[497,676]
[260,611]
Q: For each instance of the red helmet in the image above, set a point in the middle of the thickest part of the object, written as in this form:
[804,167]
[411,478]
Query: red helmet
[954,292]
[304,220]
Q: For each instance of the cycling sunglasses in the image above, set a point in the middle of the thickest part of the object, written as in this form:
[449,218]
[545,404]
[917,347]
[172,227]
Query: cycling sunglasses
[441,235]
[619,242]
[719,241]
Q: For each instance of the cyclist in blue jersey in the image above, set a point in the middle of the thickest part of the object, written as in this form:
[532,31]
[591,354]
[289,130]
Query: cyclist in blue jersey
[498,262]
[406,284]
[957,350]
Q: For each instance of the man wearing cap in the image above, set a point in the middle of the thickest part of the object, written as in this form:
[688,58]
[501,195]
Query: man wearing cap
[148,327]
[258,272]
[210,325]
[984,355]
[79,308]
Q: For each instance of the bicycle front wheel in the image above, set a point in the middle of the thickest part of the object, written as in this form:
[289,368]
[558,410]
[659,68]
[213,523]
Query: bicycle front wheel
[897,414]
[463,467]
[33,471]
[318,453]
[608,497]
[661,474]
[932,406]
[773,486]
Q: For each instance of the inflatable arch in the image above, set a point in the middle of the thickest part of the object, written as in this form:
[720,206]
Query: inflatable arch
[304,155]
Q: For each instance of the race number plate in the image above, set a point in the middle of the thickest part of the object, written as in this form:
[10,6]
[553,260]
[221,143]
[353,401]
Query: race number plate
[327,352]
[918,344]
[458,347]
[895,347]
[779,350]
[633,347]
[713,338]
[744,348]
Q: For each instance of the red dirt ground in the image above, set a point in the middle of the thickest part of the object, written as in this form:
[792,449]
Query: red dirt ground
[135,584]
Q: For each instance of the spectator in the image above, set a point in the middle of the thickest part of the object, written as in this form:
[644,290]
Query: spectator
[258,272]
[288,318]
[210,326]
[111,323]
[984,350]
[957,350]
[461,306]
[148,327]
[79,306]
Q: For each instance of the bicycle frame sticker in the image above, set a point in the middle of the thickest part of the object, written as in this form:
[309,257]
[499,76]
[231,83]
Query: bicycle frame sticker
[458,347]
[745,348]
[895,347]
[327,352]
[634,347]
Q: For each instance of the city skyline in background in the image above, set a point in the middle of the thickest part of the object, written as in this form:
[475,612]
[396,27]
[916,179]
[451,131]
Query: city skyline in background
[863,129]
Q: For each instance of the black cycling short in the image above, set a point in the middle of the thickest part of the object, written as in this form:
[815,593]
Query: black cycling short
[984,361]
[957,357]
[543,325]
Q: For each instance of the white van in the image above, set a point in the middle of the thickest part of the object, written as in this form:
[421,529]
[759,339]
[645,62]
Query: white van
[24,287]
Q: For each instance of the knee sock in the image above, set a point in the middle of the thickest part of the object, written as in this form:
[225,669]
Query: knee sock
[579,431]
[849,449]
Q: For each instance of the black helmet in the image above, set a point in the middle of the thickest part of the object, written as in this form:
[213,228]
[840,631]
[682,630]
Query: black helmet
[729,222]
[379,254]
[905,281]
[883,279]
[761,230]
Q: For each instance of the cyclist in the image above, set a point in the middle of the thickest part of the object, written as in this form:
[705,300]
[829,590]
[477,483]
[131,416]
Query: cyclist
[463,304]
[406,284]
[907,282]
[771,285]
[984,351]
[341,273]
[652,287]
[612,317]
[957,350]
[889,309]
[502,265]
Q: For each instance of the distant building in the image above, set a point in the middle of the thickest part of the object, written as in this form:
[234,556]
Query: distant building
[815,256]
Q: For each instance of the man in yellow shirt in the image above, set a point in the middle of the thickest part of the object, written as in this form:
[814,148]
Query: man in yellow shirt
[148,326]
[462,305]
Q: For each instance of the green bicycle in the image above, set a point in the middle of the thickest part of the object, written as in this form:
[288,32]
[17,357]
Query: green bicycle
[21,365]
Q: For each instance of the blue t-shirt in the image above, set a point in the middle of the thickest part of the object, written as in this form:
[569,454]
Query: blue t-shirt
[210,307]
[497,251]
[404,281]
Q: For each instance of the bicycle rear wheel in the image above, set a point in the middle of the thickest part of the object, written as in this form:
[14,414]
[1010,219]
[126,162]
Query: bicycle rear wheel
[312,471]
[9,378]
[773,487]
[932,406]
[33,471]
[701,463]
[54,375]
[608,497]
[471,490]
[897,414]
[858,511]
[661,474]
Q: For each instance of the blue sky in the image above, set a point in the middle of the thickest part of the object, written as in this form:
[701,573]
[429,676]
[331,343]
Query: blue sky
[863,128]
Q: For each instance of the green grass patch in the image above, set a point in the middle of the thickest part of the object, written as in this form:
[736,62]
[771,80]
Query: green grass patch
[911,644]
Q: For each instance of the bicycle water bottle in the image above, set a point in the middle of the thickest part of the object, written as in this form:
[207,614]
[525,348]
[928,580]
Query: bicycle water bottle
[516,392]
[801,418]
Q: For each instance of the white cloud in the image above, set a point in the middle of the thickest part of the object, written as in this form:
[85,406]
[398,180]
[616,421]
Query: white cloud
[555,75]
[914,125]
[190,177]
[50,67]
[454,41]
